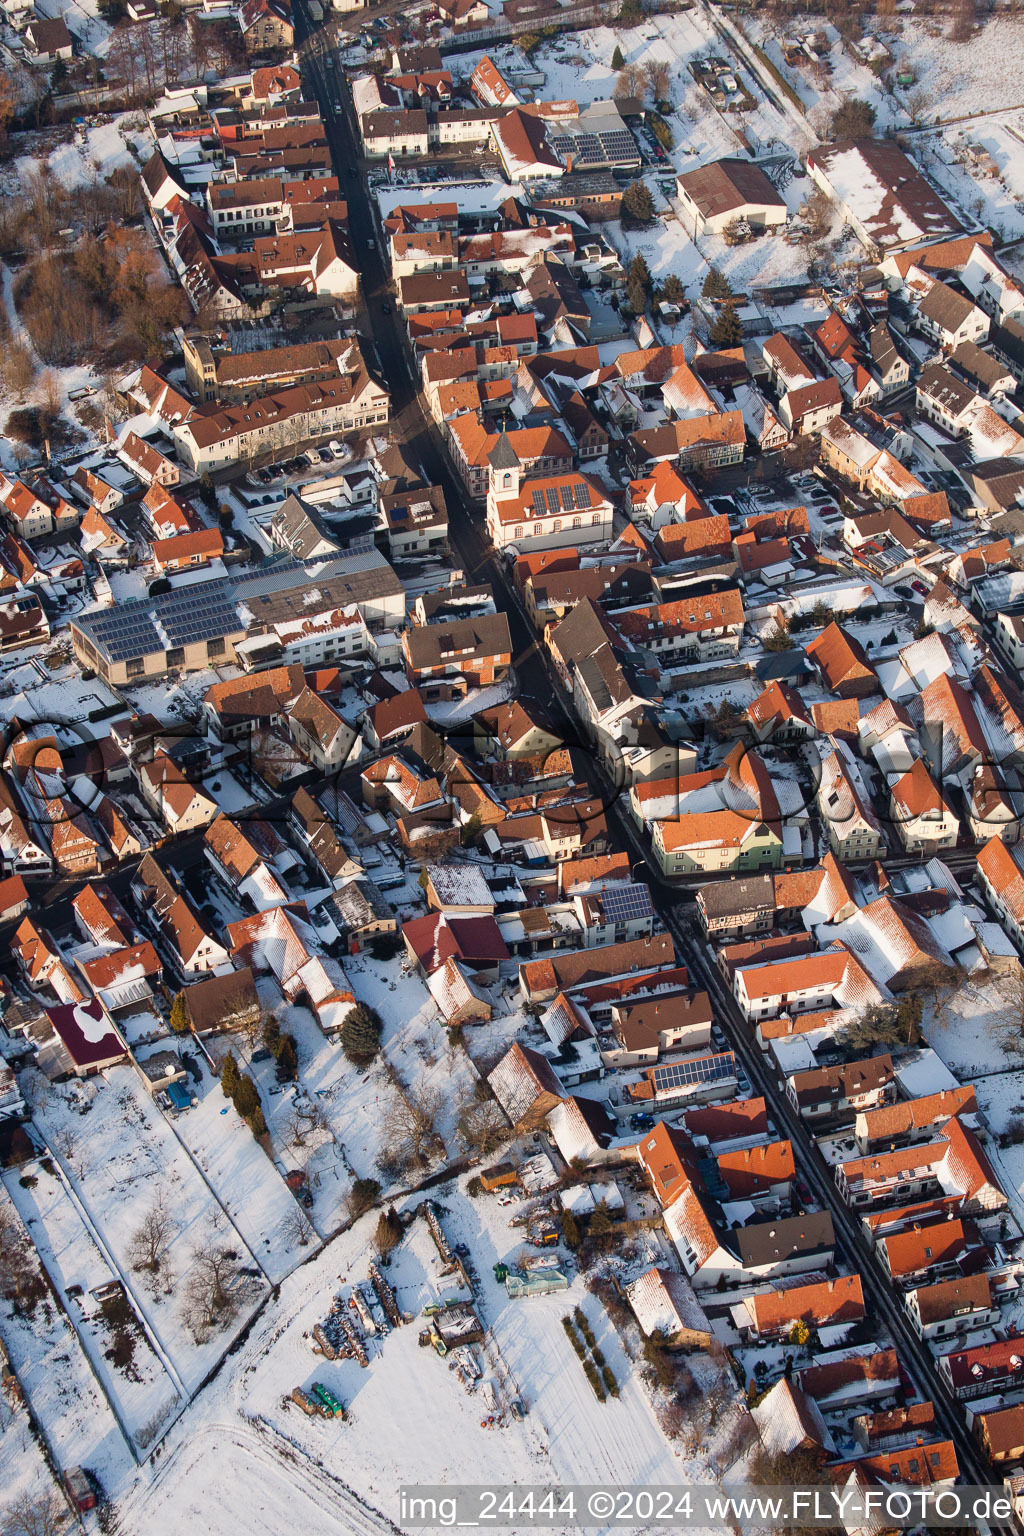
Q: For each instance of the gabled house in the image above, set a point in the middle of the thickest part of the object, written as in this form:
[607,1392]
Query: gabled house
[840,662]
[921,814]
[175,924]
[323,736]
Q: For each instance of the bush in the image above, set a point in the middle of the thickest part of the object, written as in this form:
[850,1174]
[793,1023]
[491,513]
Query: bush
[365,1194]
[597,1356]
[855,119]
[611,1385]
[474,1188]
[287,1059]
[595,1381]
[28,425]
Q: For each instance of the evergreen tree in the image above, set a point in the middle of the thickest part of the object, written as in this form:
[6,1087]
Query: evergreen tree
[229,1075]
[727,330]
[855,119]
[617,59]
[180,1021]
[246,1098]
[672,290]
[636,297]
[640,272]
[256,1123]
[637,203]
[271,1034]
[570,1230]
[600,1225]
[287,1059]
[716,286]
[388,1234]
[360,1034]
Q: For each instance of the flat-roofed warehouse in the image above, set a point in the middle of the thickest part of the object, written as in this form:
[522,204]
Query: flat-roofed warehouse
[198,626]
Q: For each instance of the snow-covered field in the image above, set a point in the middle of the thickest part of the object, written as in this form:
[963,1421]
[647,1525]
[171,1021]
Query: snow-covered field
[319,1469]
[244,1179]
[965,1030]
[93,152]
[55,1376]
[121,1158]
[143,1393]
[952,80]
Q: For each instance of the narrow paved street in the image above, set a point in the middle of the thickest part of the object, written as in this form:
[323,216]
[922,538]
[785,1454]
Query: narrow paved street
[538,682]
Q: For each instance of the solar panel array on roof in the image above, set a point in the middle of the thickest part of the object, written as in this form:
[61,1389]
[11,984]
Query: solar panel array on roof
[567,498]
[699,1069]
[582,493]
[616,146]
[209,610]
[553,499]
[624,903]
[538,503]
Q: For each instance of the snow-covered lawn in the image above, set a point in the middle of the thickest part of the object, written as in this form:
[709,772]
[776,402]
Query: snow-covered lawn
[143,1393]
[94,151]
[229,793]
[416,1039]
[355,1105]
[964,1031]
[122,1157]
[55,1377]
[245,1180]
[23,1472]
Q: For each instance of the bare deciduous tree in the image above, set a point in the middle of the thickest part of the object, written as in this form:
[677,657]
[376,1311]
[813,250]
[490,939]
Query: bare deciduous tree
[51,395]
[19,368]
[208,1299]
[303,1121]
[1007,1025]
[630,81]
[298,1228]
[659,78]
[150,1243]
[816,214]
[409,1124]
[42,1513]
[483,1127]
[962,21]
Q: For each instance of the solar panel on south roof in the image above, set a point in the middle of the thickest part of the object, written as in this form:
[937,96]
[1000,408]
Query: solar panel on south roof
[538,502]
[552,500]
[582,494]
[567,498]
[626,902]
[702,1069]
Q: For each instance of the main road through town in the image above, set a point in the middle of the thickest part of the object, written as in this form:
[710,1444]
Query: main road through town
[537,681]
